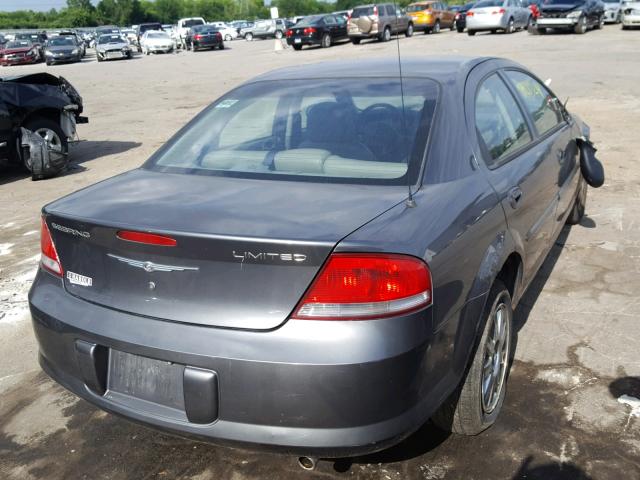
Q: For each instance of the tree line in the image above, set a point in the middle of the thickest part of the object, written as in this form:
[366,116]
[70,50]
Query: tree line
[82,13]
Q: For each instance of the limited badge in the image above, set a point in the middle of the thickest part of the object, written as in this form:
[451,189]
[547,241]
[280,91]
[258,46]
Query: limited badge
[77,279]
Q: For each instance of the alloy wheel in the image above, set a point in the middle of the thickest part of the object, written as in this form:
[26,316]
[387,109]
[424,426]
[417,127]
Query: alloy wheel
[496,357]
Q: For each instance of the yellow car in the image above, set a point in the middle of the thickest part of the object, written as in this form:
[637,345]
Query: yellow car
[431,16]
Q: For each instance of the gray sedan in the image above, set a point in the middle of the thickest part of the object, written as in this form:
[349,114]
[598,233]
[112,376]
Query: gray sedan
[494,15]
[315,264]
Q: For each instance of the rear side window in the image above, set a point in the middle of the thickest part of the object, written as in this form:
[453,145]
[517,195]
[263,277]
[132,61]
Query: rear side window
[543,107]
[362,12]
[501,126]
[326,130]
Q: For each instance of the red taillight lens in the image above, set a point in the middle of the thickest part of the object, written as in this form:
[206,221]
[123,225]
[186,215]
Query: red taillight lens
[375,11]
[48,255]
[289,33]
[365,286]
[309,31]
[496,12]
[469,14]
[457,16]
[148,238]
[198,37]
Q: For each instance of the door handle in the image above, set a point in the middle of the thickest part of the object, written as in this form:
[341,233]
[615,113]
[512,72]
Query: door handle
[515,197]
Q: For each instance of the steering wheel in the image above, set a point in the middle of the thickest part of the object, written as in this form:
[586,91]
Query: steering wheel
[381,109]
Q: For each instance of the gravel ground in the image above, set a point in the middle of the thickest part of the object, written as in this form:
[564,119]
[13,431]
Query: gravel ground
[572,408]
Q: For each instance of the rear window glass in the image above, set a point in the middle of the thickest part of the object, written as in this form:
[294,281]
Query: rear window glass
[418,8]
[191,23]
[488,3]
[348,130]
[362,12]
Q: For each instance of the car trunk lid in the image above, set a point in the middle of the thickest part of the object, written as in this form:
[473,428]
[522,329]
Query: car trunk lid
[245,250]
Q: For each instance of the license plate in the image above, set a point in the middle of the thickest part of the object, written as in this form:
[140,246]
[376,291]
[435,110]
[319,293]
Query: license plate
[114,55]
[146,378]
[77,279]
[297,40]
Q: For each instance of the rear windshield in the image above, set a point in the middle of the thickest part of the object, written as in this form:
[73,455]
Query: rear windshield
[306,21]
[362,12]
[61,42]
[418,8]
[563,2]
[110,39]
[347,130]
[491,3]
[192,23]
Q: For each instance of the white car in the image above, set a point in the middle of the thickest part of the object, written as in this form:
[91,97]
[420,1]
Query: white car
[227,31]
[154,41]
[630,15]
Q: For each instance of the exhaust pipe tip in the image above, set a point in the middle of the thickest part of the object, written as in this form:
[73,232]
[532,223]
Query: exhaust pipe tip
[308,463]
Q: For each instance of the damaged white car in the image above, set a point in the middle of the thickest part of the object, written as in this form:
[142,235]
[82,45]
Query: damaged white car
[630,15]
[38,117]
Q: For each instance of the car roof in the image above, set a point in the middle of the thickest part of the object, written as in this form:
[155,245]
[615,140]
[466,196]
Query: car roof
[437,68]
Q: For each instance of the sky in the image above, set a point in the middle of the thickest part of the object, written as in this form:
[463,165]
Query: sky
[43,5]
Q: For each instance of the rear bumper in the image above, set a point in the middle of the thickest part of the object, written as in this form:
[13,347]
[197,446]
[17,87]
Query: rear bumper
[486,22]
[304,40]
[631,20]
[329,389]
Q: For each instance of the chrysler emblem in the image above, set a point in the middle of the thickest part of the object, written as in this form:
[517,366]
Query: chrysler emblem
[151,266]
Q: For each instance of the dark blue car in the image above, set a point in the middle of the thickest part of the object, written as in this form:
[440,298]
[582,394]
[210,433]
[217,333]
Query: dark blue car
[320,261]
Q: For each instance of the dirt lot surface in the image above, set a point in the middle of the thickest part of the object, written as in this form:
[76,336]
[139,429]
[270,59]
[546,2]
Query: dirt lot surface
[572,408]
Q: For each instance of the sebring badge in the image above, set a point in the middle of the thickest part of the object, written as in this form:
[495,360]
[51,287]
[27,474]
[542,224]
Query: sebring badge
[151,266]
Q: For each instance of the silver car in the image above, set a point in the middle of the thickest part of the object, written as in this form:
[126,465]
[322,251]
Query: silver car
[112,46]
[494,15]
[612,11]
[631,15]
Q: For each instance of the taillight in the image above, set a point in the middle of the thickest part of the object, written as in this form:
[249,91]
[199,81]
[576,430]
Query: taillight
[457,16]
[48,255]
[309,31]
[198,37]
[496,12]
[147,238]
[289,33]
[469,14]
[375,11]
[219,36]
[365,286]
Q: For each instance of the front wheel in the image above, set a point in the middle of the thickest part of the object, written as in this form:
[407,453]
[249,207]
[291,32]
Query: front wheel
[409,32]
[248,37]
[386,35]
[510,26]
[55,139]
[227,38]
[297,47]
[600,23]
[579,204]
[471,33]
[476,404]
[278,34]
[581,26]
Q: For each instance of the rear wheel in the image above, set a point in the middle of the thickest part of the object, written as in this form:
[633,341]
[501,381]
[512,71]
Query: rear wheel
[227,38]
[326,41]
[221,46]
[510,26]
[409,32]
[52,133]
[278,34]
[386,35]
[355,41]
[248,37]
[476,404]
[436,27]
[579,204]
[460,29]
[297,47]
[471,33]
[600,23]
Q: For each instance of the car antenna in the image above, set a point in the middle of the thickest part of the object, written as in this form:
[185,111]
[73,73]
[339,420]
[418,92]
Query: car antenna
[409,202]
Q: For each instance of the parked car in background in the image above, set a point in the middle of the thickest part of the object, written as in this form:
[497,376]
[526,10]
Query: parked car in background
[38,117]
[343,13]
[145,27]
[461,16]
[613,11]
[108,30]
[266,29]
[184,27]
[172,31]
[378,21]
[19,52]
[37,39]
[576,15]
[3,40]
[182,295]
[227,31]
[73,34]
[631,15]
[205,37]
[154,41]
[130,35]
[534,6]
[113,47]
[61,49]
[430,16]
[493,15]
[321,30]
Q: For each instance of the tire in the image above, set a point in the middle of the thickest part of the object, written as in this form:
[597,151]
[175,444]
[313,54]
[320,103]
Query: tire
[41,126]
[386,35]
[579,204]
[409,32]
[624,27]
[221,46]
[581,26]
[297,47]
[510,26]
[355,41]
[470,410]
[600,23]
[49,63]
[436,27]
[460,30]
[278,34]
[471,33]
[227,38]
[249,37]
[541,30]
[326,41]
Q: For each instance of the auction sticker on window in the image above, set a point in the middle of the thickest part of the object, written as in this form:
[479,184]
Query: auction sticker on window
[230,102]
[77,279]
